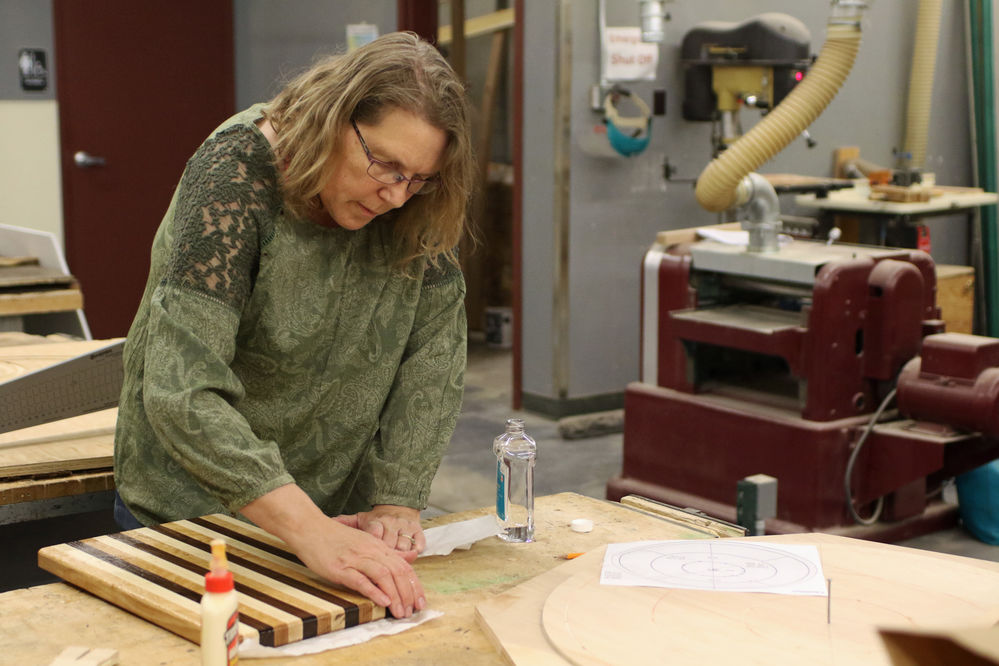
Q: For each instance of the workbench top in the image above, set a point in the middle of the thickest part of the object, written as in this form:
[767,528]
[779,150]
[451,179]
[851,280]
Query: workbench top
[37,623]
[857,200]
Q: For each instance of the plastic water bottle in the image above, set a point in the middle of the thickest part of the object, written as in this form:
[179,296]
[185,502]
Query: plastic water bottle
[515,455]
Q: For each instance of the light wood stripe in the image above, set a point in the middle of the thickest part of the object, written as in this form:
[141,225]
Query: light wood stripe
[158,573]
[182,574]
[164,581]
[254,609]
[253,580]
[251,612]
[250,569]
[244,528]
[247,533]
[201,537]
[229,533]
[127,589]
[357,609]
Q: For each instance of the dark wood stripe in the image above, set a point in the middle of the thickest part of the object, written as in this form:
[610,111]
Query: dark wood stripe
[245,538]
[309,621]
[265,631]
[149,576]
[351,609]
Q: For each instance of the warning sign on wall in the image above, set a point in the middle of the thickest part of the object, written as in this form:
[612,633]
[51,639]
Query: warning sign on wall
[627,57]
[34,72]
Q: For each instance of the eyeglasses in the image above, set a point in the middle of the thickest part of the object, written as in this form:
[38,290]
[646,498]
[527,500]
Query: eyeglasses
[387,174]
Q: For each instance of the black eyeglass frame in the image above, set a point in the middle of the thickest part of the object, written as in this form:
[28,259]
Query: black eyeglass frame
[423,185]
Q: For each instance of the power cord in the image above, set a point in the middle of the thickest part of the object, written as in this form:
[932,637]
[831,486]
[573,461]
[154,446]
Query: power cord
[853,459]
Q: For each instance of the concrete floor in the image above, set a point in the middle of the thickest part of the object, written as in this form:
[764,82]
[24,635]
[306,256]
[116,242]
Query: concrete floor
[465,479]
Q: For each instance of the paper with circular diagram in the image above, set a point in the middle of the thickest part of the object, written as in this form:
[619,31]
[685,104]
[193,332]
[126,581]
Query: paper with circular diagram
[721,565]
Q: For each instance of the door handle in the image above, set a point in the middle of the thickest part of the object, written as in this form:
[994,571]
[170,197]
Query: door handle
[85,160]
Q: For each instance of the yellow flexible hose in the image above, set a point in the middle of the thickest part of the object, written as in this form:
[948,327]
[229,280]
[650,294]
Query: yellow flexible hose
[716,186]
[924,59]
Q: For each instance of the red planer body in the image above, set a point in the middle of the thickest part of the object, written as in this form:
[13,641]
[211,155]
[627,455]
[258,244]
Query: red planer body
[775,364]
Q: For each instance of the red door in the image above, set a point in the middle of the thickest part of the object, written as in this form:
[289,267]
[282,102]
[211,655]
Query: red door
[139,86]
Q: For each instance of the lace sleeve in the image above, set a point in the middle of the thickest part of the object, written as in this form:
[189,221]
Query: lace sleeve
[225,210]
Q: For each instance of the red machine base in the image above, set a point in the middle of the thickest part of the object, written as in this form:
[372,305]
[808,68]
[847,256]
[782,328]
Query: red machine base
[690,450]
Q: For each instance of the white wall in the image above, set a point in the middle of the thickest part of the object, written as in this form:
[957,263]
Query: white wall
[30,180]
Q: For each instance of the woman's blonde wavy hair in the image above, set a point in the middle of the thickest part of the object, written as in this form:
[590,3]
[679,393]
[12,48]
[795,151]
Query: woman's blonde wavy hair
[396,71]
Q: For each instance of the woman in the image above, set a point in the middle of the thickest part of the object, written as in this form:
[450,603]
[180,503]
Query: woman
[298,354]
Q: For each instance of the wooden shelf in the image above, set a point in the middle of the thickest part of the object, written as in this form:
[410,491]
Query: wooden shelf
[40,302]
[33,489]
[27,289]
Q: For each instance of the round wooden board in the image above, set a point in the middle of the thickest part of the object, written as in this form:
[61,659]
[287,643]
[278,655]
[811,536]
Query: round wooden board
[873,585]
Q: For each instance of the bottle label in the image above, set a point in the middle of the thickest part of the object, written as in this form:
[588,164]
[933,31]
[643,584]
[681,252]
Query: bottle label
[232,639]
[500,492]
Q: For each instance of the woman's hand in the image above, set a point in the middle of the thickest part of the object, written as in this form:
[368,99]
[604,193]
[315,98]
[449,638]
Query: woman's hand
[356,559]
[398,527]
[329,547]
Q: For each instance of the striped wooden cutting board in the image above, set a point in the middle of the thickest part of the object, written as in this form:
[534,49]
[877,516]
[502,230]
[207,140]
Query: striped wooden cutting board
[158,574]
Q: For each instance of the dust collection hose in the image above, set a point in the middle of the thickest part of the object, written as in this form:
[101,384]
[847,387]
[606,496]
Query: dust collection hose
[717,184]
[924,60]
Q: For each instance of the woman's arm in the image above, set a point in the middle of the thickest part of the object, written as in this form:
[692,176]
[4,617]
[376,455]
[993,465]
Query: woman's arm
[223,212]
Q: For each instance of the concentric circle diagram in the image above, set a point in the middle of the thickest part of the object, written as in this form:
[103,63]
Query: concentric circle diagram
[736,566]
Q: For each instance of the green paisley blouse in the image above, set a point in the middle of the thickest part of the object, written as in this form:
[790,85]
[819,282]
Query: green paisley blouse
[269,350]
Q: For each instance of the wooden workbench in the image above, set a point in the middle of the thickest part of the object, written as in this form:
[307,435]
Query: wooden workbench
[857,200]
[37,623]
[892,223]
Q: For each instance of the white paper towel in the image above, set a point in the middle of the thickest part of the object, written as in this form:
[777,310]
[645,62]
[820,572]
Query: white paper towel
[446,538]
[337,639]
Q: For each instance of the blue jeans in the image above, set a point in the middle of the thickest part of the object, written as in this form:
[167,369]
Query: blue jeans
[123,516]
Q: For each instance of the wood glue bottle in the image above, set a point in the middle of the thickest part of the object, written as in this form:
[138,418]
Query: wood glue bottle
[219,613]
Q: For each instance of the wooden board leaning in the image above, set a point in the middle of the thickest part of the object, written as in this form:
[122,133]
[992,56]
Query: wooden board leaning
[70,445]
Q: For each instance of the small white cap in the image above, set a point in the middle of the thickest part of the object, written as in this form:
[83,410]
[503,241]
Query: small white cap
[581,525]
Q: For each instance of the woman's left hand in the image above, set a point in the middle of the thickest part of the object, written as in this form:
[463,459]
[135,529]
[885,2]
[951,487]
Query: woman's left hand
[397,526]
